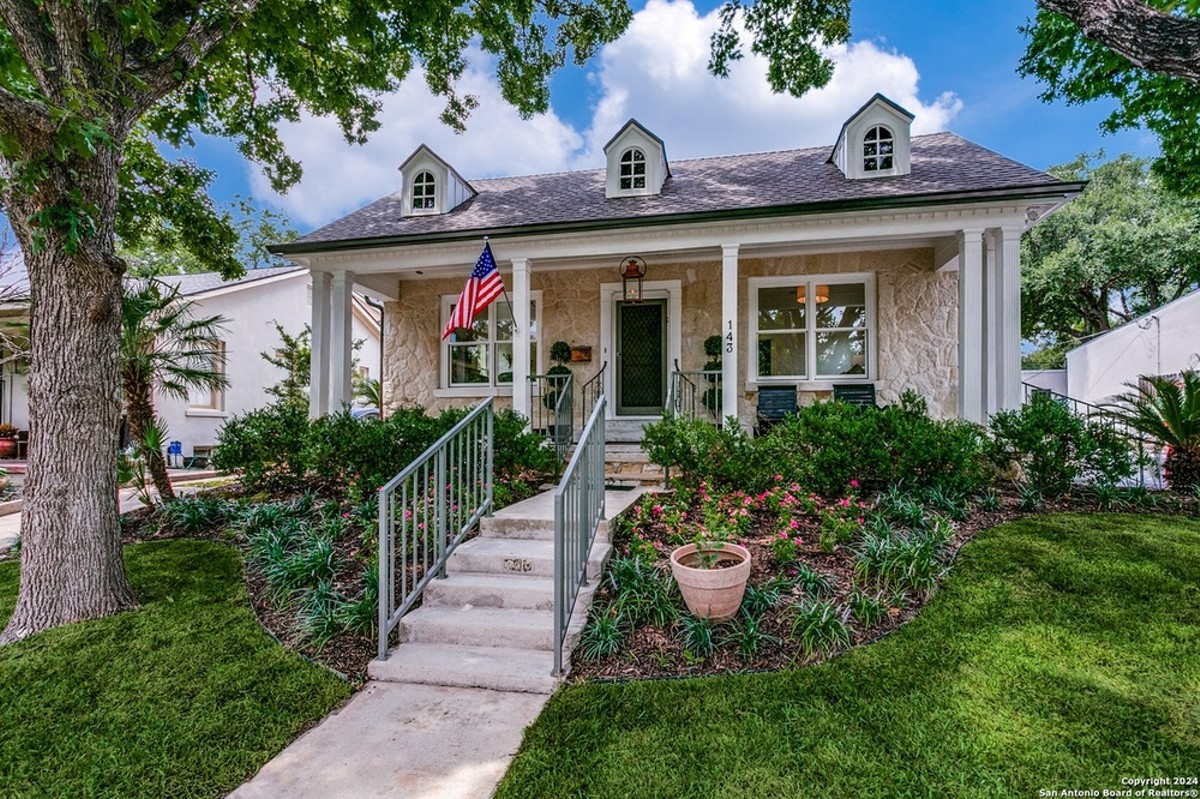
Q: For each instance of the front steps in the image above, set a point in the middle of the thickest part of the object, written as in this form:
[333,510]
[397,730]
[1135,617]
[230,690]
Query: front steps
[490,623]
[629,465]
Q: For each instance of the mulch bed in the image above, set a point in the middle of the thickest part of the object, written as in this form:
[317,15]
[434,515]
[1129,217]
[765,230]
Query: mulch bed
[653,652]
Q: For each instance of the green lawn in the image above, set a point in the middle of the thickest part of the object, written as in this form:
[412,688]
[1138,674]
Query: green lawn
[185,697]
[1063,652]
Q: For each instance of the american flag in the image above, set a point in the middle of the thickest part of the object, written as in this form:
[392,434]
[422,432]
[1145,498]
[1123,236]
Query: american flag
[482,287]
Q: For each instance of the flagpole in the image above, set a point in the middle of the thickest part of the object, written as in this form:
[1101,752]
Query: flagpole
[512,314]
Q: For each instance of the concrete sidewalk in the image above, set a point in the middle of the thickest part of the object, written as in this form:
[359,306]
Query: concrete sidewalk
[403,741]
[10,525]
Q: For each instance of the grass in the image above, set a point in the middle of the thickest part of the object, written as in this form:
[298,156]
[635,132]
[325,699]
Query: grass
[1062,653]
[185,697]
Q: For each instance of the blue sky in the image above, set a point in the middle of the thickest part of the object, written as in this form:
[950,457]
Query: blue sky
[952,63]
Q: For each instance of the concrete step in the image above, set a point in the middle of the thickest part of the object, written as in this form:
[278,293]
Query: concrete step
[502,628]
[534,558]
[492,591]
[528,529]
[496,668]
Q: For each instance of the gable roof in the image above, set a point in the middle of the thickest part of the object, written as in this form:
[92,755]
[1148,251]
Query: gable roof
[425,148]
[945,168]
[877,98]
[191,285]
[645,131]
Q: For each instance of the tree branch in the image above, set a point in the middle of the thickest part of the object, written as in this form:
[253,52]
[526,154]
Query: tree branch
[204,35]
[1148,38]
[23,116]
[34,42]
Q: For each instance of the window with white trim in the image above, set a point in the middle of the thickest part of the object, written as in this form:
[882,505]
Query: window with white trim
[632,170]
[424,192]
[879,150]
[812,328]
[210,399]
[481,356]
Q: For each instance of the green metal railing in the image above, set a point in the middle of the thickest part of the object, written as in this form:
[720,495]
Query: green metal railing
[427,510]
[578,509]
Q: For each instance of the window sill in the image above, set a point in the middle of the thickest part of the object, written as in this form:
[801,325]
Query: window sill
[211,413]
[471,391]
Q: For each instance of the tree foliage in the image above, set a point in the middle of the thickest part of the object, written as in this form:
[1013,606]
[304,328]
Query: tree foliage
[1126,245]
[1079,67]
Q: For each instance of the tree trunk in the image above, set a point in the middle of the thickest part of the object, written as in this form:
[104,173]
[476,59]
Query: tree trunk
[140,415]
[71,560]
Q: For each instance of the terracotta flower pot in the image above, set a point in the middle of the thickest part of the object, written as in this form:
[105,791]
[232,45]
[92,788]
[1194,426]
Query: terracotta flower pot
[714,594]
[8,448]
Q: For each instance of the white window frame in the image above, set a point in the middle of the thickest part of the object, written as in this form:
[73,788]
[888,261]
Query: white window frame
[862,152]
[812,381]
[412,197]
[632,152]
[491,388]
[216,397]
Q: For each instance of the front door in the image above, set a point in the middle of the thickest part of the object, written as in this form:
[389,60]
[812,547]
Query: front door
[641,358]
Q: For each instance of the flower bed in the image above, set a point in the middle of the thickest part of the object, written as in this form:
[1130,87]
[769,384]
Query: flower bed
[827,573]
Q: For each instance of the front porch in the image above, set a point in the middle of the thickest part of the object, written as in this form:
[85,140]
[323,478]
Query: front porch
[933,307]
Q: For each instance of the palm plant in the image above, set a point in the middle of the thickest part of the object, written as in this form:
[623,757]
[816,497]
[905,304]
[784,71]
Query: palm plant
[165,348]
[1167,410]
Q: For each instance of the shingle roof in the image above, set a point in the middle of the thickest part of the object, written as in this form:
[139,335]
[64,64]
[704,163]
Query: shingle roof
[942,163]
[192,284]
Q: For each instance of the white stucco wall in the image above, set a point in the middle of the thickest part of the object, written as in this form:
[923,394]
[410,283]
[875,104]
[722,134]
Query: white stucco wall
[1050,379]
[1163,342]
[15,410]
[251,311]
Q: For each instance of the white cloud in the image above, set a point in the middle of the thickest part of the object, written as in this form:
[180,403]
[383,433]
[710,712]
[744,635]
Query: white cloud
[656,72]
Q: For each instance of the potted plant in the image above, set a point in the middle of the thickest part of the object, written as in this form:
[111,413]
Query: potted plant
[8,441]
[712,574]
[560,353]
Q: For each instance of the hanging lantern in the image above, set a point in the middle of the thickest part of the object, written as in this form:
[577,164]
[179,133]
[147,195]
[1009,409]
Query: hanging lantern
[633,269]
[821,293]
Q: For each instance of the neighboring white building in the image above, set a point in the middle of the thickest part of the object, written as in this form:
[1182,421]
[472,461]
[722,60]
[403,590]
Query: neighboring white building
[1048,379]
[251,304]
[1165,341]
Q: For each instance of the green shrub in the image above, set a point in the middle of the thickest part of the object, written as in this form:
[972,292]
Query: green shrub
[948,455]
[518,451]
[1056,448]
[867,609]
[602,636]
[196,514]
[750,637]
[642,593]
[267,446]
[725,457]
[699,635]
[824,446]
[902,561]
[758,599]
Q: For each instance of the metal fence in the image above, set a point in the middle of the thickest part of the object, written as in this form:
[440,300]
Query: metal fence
[552,409]
[578,509]
[1149,454]
[426,510]
[696,394]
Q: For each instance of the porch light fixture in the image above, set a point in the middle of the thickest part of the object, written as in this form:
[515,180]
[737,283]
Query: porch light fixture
[633,269]
[822,294]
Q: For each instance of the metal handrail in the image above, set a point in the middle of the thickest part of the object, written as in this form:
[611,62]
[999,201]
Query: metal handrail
[556,420]
[442,496]
[591,391]
[696,394]
[578,509]
[1148,451]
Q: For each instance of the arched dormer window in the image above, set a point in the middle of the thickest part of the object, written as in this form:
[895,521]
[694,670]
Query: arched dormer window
[424,192]
[879,148]
[632,169]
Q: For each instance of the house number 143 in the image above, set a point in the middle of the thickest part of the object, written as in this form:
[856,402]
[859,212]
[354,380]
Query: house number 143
[729,338]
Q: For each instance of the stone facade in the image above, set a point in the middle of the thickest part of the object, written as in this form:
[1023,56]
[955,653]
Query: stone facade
[916,323]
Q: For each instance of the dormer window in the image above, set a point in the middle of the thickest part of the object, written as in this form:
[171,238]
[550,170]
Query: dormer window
[633,169]
[424,192]
[879,147]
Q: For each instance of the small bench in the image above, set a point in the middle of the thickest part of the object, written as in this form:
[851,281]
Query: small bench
[774,403]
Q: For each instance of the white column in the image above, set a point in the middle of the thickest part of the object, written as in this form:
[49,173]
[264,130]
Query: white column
[729,330]
[1009,337]
[340,341]
[991,319]
[521,333]
[318,390]
[970,325]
